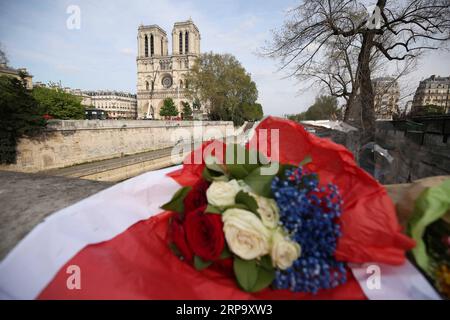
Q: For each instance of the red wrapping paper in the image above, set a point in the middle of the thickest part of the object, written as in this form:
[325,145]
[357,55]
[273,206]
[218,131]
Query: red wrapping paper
[138,264]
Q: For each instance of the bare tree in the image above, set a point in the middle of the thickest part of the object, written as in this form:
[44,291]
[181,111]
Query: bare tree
[396,31]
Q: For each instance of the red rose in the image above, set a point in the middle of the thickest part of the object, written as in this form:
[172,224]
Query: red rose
[178,236]
[204,233]
[196,198]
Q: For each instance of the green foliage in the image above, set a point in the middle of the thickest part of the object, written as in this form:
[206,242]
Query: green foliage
[252,275]
[247,200]
[247,112]
[260,183]
[176,203]
[252,112]
[200,264]
[212,209]
[221,80]
[211,175]
[324,108]
[431,205]
[20,116]
[168,109]
[240,161]
[59,104]
[187,110]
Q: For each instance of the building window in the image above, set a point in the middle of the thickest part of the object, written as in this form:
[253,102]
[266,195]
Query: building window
[146,45]
[152,46]
[181,84]
[180,36]
[153,85]
[146,85]
[186,42]
[162,51]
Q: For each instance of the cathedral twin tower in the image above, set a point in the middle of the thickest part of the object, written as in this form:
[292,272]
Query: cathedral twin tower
[160,75]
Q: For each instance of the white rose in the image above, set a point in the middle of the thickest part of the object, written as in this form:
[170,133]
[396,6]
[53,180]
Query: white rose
[246,235]
[268,210]
[284,251]
[222,193]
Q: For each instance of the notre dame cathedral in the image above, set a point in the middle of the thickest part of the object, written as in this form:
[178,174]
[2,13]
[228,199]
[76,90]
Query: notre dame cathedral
[160,75]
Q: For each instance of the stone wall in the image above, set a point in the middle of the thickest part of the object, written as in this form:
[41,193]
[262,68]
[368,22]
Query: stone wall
[69,142]
[414,156]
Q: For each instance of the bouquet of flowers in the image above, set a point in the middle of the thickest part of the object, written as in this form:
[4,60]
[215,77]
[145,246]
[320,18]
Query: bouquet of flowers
[279,218]
[279,227]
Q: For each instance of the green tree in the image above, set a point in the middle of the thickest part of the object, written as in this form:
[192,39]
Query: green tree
[324,108]
[220,80]
[187,110]
[59,104]
[20,116]
[168,109]
[251,112]
[296,117]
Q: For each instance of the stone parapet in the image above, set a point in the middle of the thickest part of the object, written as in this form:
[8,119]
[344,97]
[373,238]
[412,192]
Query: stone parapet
[71,142]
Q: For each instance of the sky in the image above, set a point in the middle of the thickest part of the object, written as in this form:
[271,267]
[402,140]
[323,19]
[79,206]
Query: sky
[101,54]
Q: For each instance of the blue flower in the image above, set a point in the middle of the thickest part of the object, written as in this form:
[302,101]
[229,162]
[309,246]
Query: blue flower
[310,214]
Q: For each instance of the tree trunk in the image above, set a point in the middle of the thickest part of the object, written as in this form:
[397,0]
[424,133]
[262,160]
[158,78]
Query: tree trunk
[365,89]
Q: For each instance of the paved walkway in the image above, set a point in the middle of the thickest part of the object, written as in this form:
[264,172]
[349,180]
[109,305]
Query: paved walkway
[27,198]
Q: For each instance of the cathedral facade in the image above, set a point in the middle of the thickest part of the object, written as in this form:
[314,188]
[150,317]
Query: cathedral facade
[160,75]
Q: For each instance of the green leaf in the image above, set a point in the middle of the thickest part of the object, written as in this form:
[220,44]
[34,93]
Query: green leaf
[246,199]
[174,249]
[212,164]
[264,279]
[260,184]
[238,160]
[306,160]
[210,175]
[266,262]
[237,171]
[176,203]
[226,253]
[246,272]
[432,205]
[200,264]
[251,276]
[212,209]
